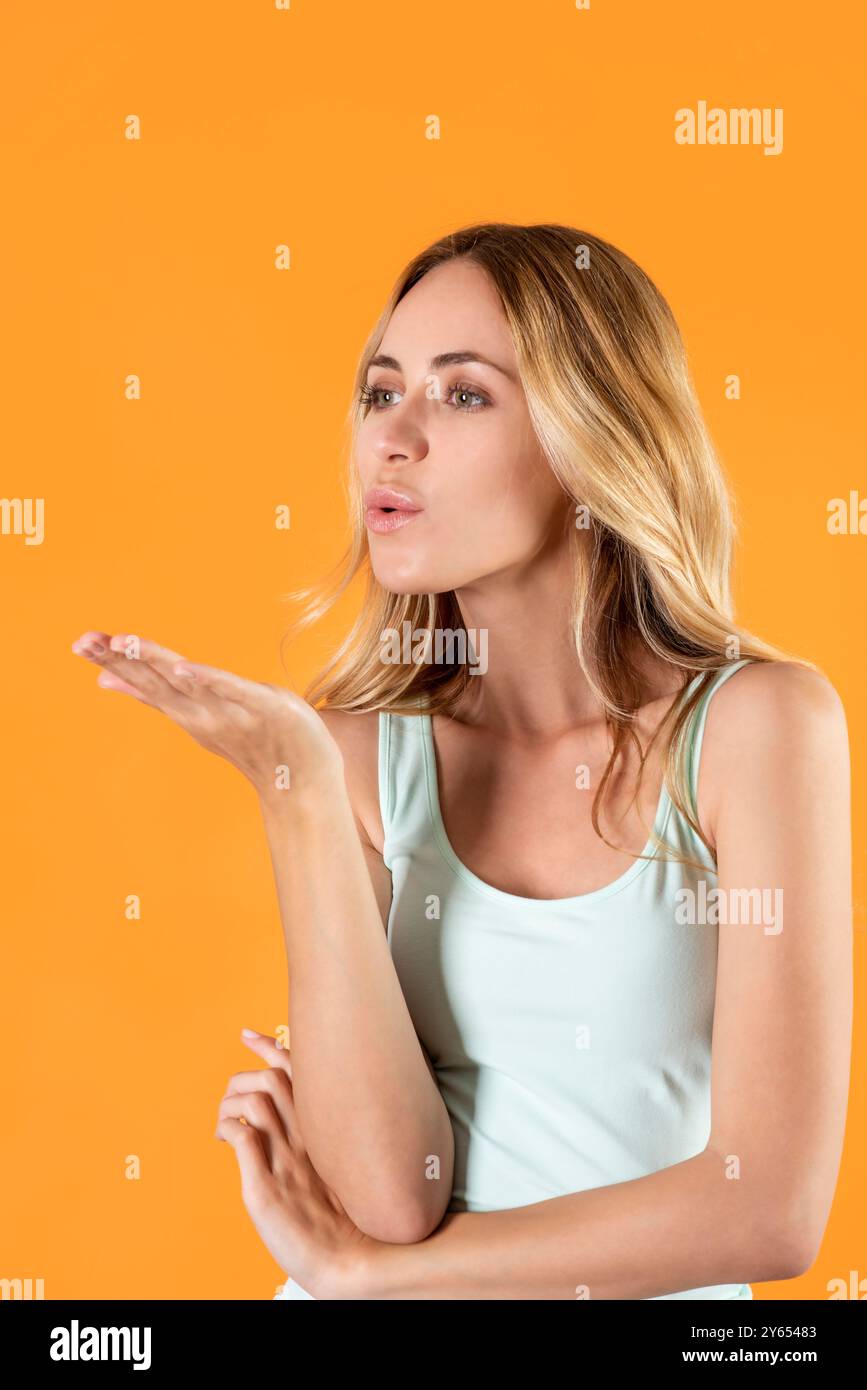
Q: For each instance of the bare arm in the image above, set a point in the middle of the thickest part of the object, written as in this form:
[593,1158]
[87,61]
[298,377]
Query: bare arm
[367,1099]
[754,1203]
[365,1092]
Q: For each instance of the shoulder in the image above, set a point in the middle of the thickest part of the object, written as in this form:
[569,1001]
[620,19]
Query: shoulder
[356,734]
[773,699]
[771,721]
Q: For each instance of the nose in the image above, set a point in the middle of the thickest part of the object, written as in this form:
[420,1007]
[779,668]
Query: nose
[397,437]
[388,448]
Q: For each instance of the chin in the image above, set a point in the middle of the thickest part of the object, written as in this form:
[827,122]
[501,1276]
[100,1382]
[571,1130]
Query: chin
[400,574]
[416,571]
[400,583]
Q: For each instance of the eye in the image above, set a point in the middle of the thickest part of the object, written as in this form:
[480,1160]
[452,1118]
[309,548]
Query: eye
[468,398]
[369,394]
[461,390]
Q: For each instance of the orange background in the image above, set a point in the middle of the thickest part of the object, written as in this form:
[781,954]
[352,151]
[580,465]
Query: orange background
[156,257]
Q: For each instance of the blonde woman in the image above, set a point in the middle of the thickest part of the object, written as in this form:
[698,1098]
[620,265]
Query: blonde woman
[563,858]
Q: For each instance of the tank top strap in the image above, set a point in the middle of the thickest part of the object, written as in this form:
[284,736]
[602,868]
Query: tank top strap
[403,791]
[406,798]
[694,733]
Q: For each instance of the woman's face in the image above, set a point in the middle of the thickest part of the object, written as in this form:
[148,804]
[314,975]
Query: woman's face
[455,484]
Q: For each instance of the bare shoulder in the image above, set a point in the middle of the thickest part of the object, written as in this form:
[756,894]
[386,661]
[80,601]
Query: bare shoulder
[773,698]
[776,721]
[357,736]
[356,732]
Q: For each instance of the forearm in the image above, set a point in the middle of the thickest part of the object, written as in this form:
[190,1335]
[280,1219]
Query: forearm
[369,1110]
[684,1227]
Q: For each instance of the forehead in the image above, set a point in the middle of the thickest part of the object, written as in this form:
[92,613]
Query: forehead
[453,307]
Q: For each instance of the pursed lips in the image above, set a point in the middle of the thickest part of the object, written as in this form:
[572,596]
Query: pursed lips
[387,510]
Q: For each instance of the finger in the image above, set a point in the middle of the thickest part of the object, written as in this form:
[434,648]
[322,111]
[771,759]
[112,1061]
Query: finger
[160,659]
[247,1143]
[238,689]
[91,643]
[268,1049]
[151,685]
[137,648]
[96,648]
[108,681]
[257,1108]
[276,1083]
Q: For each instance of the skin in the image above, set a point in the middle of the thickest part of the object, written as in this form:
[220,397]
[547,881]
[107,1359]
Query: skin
[346,1209]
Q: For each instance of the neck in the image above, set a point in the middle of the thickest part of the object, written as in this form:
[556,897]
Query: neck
[533,684]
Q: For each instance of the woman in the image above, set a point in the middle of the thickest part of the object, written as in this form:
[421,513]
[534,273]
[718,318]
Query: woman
[567,910]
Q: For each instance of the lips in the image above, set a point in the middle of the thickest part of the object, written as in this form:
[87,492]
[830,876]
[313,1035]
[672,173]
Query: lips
[387,510]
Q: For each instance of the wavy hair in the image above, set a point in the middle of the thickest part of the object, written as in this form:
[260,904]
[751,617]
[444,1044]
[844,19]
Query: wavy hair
[605,375]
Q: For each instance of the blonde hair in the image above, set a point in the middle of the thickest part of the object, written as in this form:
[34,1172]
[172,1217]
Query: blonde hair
[609,394]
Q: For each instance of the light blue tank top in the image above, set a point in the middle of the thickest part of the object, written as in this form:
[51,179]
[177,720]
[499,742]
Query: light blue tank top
[571,1037]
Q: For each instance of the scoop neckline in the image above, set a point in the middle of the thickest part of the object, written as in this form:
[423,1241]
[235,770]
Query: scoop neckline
[663,811]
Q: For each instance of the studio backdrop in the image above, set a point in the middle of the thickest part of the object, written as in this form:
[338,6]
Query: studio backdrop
[206,207]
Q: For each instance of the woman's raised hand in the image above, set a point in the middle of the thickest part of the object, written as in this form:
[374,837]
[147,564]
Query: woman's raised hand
[271,735]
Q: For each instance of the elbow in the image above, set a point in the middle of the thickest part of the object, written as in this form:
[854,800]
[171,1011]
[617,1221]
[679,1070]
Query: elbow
[398,1223]
[409,1206]
[787,1260]
[788,1249]
[393,1197]
[402,1211]
[795,1255]
[776,1221]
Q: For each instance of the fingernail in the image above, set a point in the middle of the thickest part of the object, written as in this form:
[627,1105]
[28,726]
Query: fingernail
[185,671]
[250,1033]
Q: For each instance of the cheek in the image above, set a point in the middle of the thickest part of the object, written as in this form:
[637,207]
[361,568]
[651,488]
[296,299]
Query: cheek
[482,531]
[492,501]
[504,496]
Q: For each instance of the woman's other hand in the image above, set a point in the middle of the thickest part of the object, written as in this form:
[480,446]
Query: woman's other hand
[300,1220]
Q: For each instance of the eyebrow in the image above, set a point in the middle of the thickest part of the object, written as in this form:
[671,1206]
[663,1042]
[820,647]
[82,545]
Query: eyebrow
[443,359]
